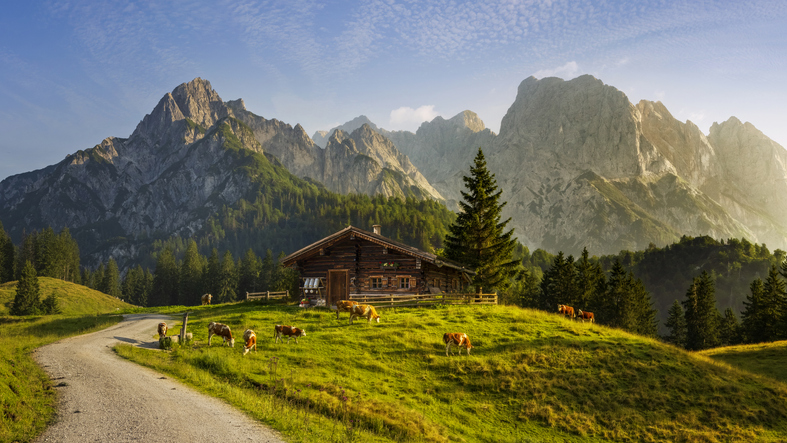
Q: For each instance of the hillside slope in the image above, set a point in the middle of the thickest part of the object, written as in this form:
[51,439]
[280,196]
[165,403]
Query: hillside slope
[72,298]
[530,376]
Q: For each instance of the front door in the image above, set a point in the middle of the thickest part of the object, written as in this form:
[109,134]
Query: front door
[337,286]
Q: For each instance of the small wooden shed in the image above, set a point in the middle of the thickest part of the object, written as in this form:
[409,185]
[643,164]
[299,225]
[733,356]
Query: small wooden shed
[354,261]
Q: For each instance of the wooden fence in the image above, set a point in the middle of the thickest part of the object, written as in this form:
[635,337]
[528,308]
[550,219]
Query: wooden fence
[267,295]
[406,300]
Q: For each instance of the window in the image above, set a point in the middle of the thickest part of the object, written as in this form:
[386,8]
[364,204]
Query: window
[455,284]
[404,282]
[376,282]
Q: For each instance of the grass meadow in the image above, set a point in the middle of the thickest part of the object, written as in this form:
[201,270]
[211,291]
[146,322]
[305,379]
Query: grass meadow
[27,397]
[72,298]
[767,359]
[532,376]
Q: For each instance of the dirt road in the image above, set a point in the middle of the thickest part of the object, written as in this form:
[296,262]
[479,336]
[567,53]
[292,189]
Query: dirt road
[104,398]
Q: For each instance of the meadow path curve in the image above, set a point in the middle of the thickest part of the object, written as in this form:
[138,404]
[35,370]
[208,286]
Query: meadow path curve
[105,398]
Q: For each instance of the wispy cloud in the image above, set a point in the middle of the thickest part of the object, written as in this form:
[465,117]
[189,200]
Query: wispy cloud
[566,72]
[409,117]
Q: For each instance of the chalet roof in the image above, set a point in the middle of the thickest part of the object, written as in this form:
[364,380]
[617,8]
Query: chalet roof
[332,239]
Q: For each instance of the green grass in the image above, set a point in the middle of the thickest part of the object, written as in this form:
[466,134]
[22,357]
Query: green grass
[768,359]
[531,376]
[27,397]
[72,298]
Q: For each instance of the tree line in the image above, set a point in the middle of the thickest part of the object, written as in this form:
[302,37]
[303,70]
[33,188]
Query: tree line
[183,281]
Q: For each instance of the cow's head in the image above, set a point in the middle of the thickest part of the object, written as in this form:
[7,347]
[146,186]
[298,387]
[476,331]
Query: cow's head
[232,342]
[301,333]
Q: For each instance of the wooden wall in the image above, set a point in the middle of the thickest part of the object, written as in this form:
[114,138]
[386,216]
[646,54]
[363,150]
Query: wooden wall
[363,260]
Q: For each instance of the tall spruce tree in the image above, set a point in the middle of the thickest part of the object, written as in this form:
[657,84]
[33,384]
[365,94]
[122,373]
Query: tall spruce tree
[758,317]
[590,280]
[701,314]
[729,329]
[248,273]
[7,256]
[478,238]
[111,282]
[676,323]
[775,294]
[28,293]
[228,279]
[559,285]
[165,280]
[191,278]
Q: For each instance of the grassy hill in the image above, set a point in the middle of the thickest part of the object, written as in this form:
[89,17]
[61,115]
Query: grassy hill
[768,359]
[531,376]
[74,299]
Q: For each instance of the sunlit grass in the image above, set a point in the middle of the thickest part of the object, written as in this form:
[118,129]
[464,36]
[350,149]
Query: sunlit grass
[26,394]
[768,359]
[73,299]
[530,375]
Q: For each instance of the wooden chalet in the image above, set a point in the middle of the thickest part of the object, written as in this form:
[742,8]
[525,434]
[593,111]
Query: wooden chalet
[354,262]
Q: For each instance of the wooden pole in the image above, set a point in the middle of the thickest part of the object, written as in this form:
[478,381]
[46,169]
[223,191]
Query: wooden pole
[183,329]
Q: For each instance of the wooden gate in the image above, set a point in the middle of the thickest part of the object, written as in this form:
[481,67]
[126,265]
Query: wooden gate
[338,285]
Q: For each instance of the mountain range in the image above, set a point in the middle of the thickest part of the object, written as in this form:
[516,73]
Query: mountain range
[578,163]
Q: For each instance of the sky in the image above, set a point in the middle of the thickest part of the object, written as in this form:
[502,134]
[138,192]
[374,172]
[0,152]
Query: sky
[73,72]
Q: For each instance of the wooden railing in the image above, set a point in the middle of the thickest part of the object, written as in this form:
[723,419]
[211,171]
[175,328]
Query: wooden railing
[267,295]
[405,300]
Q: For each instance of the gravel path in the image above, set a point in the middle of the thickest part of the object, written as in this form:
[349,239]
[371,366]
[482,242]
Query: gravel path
[104,398]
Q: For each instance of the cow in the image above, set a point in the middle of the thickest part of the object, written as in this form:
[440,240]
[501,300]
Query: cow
[206,299]
[367,311]
[162,330]
[344,306]
[584,315]
[458,339]
[222,331]
[289,331]
[250,338]
[567,311]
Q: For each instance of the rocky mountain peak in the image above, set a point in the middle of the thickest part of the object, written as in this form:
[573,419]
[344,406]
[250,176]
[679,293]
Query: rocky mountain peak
[199,102]
[468,119]
[321,138]
[236,105]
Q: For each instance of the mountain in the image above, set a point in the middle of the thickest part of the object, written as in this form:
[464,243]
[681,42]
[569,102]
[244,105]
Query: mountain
[197,166]
[441,149]
[359,162]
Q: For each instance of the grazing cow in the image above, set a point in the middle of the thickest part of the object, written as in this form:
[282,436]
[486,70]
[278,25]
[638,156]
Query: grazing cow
[364,311]
[567,311]
[458,339]
[250,338]
[289,331]
[222,331]
[344,306]
[206,299]
[162,330]
[584,315]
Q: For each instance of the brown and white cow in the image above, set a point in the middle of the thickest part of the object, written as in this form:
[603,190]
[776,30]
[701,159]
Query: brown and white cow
[584,315]
[206,299]
[367,311]
[162,329]
[344,306]
[250,338]
[458,339]
[566,310]
[289,331]
[222,331]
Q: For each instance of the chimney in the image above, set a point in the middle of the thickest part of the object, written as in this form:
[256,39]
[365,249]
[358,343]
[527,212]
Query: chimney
[376,229]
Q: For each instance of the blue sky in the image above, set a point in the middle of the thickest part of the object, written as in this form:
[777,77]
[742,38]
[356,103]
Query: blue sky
[74,72]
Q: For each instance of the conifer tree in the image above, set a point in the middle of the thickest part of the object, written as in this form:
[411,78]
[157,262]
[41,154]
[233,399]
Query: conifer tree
[165,280]
[213,275]
[775,295]
[701,314]
[228,279]
[478,238]
[7,256]
[758,317]
[558,286]
[248,273]
[590,280]
[111,281]
[191,270]
[676,323]
[729,329]
[28,293]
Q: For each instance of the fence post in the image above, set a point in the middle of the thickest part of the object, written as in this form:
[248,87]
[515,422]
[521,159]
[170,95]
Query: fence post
[183,329]
[247,295]
[268,295]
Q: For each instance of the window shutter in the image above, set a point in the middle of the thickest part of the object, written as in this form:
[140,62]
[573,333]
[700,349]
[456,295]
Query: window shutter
[412,282]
